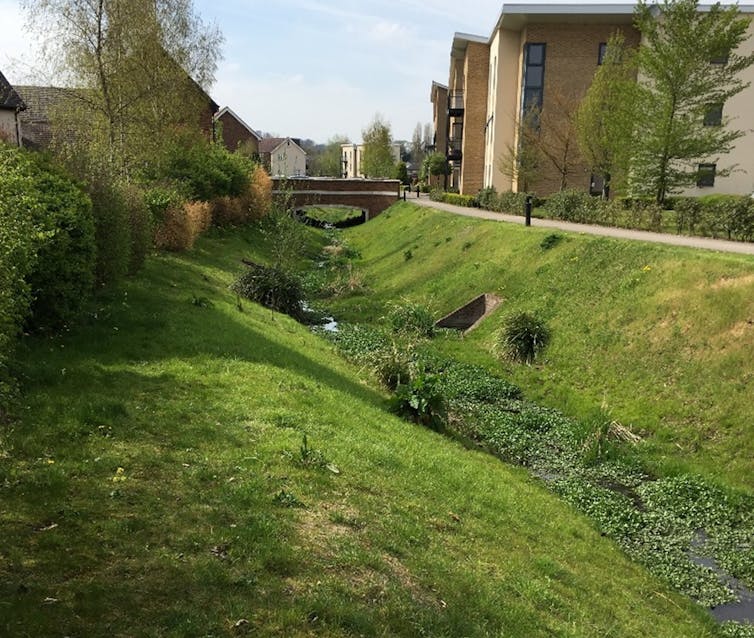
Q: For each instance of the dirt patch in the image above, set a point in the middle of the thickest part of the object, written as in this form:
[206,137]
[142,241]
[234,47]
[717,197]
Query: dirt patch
[732,282]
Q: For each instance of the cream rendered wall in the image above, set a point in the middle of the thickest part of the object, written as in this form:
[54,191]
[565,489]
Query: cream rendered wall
[740,111]
[288,160]
[502,110]
[8,130]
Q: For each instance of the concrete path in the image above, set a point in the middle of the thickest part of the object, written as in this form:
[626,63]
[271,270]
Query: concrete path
[706,243]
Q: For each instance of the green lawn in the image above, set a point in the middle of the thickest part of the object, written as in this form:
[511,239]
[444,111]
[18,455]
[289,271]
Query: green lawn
[158,483]
[661,337]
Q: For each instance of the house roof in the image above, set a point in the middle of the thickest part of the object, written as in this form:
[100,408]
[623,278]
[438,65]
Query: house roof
[35,120]
[461,41]
[9,98]
[270,144]
[226,110]
[436,86]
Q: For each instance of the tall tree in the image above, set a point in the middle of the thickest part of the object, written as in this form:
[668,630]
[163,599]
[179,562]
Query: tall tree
[689,67]
[605,119]
[136,68]
[417,146]
[378,160]
[329,162]
[520,162]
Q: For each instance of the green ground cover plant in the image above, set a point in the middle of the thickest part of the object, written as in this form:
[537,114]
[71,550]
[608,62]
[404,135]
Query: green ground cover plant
[209,469]
[660,335]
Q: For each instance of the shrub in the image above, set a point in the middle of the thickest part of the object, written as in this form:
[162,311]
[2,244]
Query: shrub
[487,199]
[512,203]
[182,225]
[62,275]
[411,318]
[252,204]
[228,211]
[572,205]
[688,214]
[523,337]
[206,170]
[421,400]
[550,241]
[141,226]
[273,287]
[112,224]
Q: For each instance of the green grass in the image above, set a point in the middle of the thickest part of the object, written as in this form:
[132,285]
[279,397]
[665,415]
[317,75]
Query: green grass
[158,483]
[661,337]
[332,214]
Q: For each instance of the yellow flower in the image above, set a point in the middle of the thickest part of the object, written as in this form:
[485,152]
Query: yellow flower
[120,475]
[647,268]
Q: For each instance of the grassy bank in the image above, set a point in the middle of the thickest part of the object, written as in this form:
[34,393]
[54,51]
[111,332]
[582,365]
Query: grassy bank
[189,464]
[662,337]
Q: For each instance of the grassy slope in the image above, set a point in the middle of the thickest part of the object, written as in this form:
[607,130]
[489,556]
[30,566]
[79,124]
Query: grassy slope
[663,336]
[144,492]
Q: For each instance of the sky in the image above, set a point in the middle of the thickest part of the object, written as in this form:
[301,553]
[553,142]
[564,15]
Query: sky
[314,68]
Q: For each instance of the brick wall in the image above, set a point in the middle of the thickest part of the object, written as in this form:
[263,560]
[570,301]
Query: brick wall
[234,133]
[570,64]
[476,71]
[372,195]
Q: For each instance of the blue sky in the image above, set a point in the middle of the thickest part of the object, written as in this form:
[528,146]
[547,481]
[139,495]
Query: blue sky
[316,68]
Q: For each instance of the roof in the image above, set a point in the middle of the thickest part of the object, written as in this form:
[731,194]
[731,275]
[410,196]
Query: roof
[9,98]
[270,144]
[515,16]
[226,110]
[461,41]
[35,120]
[436,86]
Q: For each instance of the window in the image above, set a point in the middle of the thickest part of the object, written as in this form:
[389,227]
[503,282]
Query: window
[534,76]
[720,58]
[706,175]
[713,116]
[602,49]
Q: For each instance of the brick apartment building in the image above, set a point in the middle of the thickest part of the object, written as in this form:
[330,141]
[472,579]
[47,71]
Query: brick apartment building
[546,55]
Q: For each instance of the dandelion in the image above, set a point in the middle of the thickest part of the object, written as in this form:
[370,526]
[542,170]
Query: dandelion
[120,475]
[647,268]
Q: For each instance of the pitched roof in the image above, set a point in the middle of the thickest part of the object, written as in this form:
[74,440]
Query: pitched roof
[269,144]
[35,120]
[226,110]
[9,98]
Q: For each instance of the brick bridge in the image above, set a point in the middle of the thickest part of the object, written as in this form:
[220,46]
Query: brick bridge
[370,195]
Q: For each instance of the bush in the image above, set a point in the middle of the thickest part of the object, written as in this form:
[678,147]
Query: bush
[411,318]
[523,337]
[273,287]
[729,216]
[421,400]
[62,275]
[573,206]
[468,201]
[182,225]
[112,221]
[506,202]
[141,226]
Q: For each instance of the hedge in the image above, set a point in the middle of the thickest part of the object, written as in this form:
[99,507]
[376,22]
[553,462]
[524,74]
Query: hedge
[469,201]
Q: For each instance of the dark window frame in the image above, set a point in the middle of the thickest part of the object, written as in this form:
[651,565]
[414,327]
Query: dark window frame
[713,115]
[706,175]
[533,96]
[601,51]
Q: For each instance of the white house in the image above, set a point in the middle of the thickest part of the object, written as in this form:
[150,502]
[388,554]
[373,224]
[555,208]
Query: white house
[283,156]
[11,105]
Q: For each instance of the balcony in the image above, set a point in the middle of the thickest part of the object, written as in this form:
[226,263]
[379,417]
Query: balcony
[455,149]
[455,104]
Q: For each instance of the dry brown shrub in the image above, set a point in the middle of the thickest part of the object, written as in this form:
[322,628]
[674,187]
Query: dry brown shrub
[258,198]
[229,211]
[181,226]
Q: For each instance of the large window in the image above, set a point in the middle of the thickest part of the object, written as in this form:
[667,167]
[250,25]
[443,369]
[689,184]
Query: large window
[706,175]
[534,77]
[713,116]
[601,50]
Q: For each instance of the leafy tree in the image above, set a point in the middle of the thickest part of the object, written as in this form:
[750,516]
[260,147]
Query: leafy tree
[688,65]
[401,173]
[434,164]
[136,66]
[377,159]
[328,162]
[417,146]
[521,162]
[605,118]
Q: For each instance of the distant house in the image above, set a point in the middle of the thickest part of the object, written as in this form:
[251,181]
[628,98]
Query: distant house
[234,133]
[352,155]
[283,156]
[11,104]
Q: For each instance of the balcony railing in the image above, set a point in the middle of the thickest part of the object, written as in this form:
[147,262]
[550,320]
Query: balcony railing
[455,103]
[455,149]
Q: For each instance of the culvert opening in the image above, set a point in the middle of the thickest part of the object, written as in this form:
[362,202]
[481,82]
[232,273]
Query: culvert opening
[468,316]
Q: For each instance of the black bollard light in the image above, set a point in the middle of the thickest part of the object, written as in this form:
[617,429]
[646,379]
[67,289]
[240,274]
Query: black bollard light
[527,210]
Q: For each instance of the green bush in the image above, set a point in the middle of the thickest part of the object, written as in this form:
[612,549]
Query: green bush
[112,223]
[206,170]
[273,287]
[411,318]
[61,278]
[141,226]
[421,400]
[505,202]
[438,195]
[573,206]
[523,337]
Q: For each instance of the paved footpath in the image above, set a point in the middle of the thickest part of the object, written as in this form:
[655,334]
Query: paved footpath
[722,245]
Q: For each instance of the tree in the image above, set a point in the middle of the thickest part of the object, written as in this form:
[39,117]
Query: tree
[328,162]
[137,67]
[689,67]
[520,162]
[417,146]
[606,116]
[434,164]
[377,159]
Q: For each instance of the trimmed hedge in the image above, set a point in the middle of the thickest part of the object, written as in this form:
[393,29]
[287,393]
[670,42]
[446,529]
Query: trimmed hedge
[505,202]
[469,201]
[729,216]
